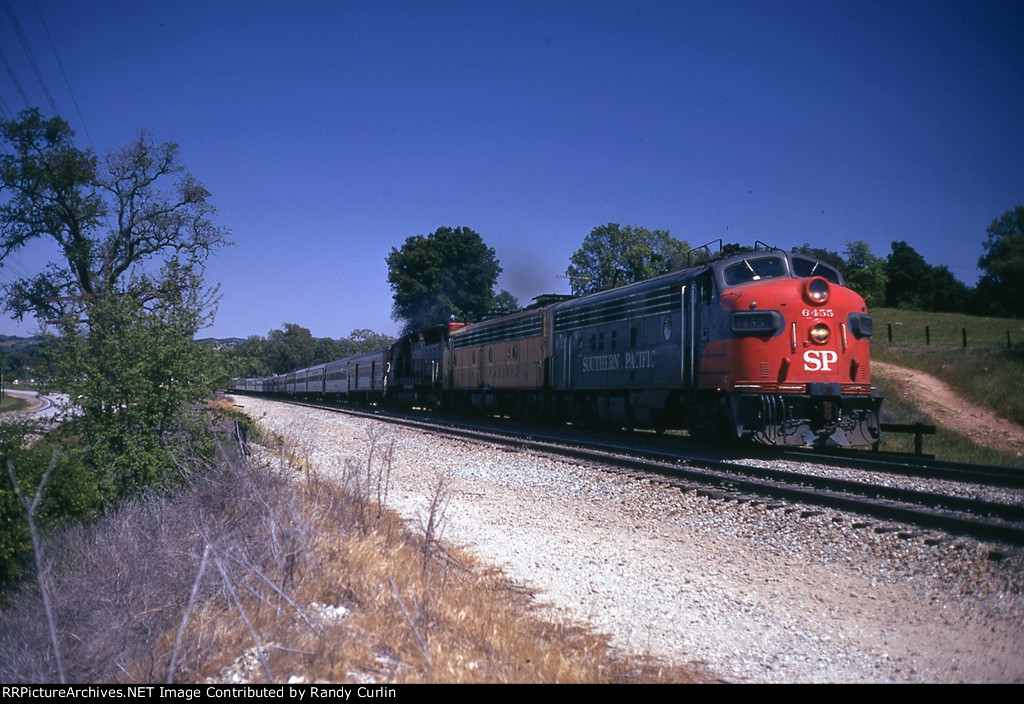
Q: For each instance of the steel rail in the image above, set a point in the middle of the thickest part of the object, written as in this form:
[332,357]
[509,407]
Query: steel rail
[983,520]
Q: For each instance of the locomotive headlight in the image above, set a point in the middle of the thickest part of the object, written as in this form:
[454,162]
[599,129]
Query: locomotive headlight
[820,333]
[817,290]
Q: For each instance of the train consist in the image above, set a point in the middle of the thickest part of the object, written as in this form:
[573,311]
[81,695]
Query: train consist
[762,344]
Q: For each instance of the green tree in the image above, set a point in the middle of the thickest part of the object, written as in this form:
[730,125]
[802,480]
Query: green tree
[450,272]
[611,256]
[914,283]
[134,376]
[248,360]
[363,340]
[865,273]
[1001,286]
[56,191]
[942,292]
[505,304]
[907,274]
[126,295]
[293,347]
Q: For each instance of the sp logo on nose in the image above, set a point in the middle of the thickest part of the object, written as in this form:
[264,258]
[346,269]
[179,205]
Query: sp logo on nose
[819,360]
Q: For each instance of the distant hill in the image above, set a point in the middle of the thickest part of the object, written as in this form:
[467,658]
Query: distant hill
[19,356]
[223,342]
[12,341]
[9,341]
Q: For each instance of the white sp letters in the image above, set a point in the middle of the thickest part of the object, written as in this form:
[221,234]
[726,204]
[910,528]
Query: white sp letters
[819,360]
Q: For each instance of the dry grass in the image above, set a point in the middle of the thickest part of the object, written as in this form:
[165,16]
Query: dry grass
[9,404]
[269,572]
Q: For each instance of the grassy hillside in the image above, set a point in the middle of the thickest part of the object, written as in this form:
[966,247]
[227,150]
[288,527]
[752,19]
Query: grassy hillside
[986,372]
[989,371]
[12,403]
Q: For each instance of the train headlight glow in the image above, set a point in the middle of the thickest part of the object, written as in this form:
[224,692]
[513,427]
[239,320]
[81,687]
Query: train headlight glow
[817,290]
[820,333]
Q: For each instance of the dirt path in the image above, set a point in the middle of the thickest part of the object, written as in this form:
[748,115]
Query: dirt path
[949,409]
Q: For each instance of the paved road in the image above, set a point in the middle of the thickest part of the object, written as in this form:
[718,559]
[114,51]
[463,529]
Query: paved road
[41,408]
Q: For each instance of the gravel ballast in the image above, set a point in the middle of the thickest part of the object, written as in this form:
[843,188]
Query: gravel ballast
[754,593]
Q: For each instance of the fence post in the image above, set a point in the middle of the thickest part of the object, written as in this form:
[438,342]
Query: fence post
[1008,345]
[964,332]
[927,335]
[889,327]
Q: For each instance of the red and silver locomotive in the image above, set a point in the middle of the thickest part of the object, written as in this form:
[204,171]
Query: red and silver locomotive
[763,344]
[784,348]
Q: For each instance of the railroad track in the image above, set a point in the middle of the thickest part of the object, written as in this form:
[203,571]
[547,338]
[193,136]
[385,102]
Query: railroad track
[727,474]
[912,465]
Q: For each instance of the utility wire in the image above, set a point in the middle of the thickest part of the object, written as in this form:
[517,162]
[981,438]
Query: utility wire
[4,110]
[60,64]
[14,79]
[31,57]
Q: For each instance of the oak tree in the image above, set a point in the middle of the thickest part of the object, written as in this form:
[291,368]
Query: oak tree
[1001,287]
[865,272]
[450,272]
[611,256]
[125,293]
[108,220]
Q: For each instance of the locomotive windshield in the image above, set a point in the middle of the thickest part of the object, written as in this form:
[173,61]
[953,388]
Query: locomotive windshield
[772,267]
[754,270]
[806,268]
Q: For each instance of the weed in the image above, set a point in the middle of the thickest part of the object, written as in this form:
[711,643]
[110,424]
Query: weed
[42,571]
[262,569]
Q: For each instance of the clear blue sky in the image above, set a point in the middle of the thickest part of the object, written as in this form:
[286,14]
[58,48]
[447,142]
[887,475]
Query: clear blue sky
[329,132]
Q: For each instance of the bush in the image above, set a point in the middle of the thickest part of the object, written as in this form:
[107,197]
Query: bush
[72,492]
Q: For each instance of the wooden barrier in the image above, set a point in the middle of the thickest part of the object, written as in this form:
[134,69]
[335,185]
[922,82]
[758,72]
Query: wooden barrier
[918,429]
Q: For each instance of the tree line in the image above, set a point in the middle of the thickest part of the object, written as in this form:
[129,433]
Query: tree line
[294,347]
[903,279]
[452,273]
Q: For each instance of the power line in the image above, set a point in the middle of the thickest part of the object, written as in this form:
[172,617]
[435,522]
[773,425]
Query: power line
[14,79]
[31,57]
[4,110]
[60,64]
